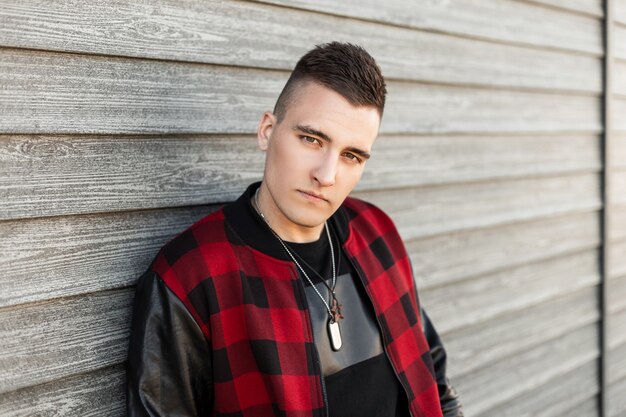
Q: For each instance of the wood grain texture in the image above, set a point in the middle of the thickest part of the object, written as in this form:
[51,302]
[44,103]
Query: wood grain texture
[403,161]
[454,257]
[431,211]
[507,291]
[503,381]
[67,93]
[473,348]
[435,109]
[65,256]
[503,21]
[571,394]
[94,394]
[69,255]
[61,175]
[252,35]
[44,175]
[45,341]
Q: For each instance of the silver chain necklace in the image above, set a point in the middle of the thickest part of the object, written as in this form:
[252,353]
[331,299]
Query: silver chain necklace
[334,310]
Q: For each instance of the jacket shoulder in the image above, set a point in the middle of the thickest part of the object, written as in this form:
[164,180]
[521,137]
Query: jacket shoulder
[365,214]
[183,262]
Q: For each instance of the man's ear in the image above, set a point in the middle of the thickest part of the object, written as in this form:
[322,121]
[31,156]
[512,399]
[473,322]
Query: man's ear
[264,131]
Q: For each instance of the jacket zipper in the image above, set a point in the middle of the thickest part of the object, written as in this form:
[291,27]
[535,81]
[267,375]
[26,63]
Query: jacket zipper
[318,361]
[382,334]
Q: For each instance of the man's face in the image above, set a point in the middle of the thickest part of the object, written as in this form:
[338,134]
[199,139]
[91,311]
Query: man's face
[315,157]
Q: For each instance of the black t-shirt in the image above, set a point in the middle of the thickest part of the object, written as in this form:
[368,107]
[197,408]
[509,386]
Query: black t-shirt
[359,378]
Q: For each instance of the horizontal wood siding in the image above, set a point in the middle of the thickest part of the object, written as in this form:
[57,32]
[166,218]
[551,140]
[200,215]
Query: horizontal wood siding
[44,175]
[616,274]
[94,394]
[146,96]
[208,31]
[125,123]
[508,21]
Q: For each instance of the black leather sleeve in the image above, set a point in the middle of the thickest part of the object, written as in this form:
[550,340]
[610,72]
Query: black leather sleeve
[449,399]
[169,364]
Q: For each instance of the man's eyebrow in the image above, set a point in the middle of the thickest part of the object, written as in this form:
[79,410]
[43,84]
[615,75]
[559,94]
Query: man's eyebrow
[315,132]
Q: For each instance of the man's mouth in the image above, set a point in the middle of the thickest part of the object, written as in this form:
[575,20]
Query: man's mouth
[313,196]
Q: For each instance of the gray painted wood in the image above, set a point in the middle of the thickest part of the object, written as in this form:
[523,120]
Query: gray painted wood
[619,115]
[617,293]
[526,164]
[430,109]
[252,35]
[432,160]
[60,175]
[617,399]
[502,21]
[617,346]
[618,220]
[498,384]
[67,93]
[448,209]
[617,259]
[616,328]
[617,184]
[591,7]
[66,256]
[62,256]
[619,79]
[618,151]
[43,175]
[619,7]
[572,394]
[453,257]
[619,41]
[506,291]
[617,363]
[97,393]
[68,346]
[472,348]
[49,340]
[144,96]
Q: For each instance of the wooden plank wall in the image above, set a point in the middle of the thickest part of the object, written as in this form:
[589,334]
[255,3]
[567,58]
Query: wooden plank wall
[616,284]
[123,122]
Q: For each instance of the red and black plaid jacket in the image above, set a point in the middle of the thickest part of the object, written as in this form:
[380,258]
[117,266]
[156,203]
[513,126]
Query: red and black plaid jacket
[251,310]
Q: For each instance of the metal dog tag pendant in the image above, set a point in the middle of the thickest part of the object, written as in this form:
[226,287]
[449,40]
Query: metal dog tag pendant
[335,335]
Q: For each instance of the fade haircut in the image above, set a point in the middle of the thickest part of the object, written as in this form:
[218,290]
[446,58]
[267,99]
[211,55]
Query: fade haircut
[345,68]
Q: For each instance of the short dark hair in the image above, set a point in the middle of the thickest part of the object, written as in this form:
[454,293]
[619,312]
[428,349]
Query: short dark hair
[344,68]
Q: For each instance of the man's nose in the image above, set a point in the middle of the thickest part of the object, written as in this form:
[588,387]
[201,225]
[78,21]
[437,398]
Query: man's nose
[326,171]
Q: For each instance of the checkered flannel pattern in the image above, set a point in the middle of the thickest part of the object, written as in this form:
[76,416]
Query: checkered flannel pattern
[252,310]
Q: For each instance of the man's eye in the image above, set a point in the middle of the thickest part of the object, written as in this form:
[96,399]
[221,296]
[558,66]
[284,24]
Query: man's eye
[309,139]
[352,157]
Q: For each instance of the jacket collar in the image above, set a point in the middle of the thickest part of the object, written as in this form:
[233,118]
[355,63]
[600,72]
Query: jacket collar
[254,231]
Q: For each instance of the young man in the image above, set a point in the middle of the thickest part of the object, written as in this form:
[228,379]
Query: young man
[294,300]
